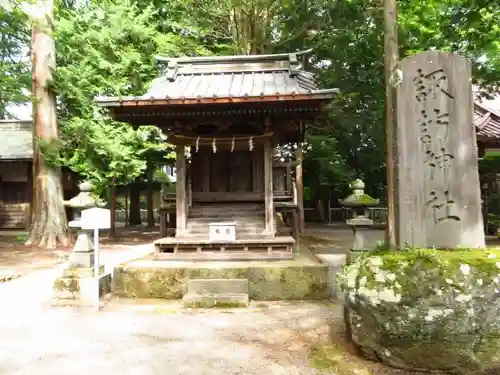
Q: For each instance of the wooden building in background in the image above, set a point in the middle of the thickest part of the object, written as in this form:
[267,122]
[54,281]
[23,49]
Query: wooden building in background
[16,174]
[487,122]
[229,118]
[16,155]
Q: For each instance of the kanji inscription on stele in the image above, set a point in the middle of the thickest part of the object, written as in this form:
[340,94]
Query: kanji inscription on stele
[437,199]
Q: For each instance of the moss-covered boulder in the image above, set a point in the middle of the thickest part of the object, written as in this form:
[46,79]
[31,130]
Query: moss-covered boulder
[426,309]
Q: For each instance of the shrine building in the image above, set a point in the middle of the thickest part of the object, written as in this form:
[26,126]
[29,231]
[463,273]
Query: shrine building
[228,118]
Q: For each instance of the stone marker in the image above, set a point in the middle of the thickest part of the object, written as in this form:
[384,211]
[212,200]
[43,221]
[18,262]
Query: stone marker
[437,197]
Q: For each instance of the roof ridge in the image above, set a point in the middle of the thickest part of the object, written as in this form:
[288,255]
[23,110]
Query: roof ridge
[232,58]
[487,109]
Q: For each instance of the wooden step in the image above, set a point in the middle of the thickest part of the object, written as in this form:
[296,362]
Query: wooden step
[231,214]
[261,241]
[240,227]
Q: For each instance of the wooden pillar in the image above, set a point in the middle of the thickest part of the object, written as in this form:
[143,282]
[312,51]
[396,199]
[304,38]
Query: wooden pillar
[29,194]
[112,229]
[268,187]
[180,185]
[205,158]
[300,188]
[289,188]
[149,194]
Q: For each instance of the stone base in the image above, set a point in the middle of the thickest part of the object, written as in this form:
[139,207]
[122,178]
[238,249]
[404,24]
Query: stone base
[303,278]
[80,285]
[222,300]
[81,259]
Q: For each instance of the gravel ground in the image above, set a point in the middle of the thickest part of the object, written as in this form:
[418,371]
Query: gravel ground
[123,339]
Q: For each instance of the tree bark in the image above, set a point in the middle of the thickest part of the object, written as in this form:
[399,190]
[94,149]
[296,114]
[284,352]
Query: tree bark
[151,218]
[391,54]
[49,227]
[135,204]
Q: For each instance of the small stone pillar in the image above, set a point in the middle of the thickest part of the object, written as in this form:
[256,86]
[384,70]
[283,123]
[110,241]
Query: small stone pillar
[359,202]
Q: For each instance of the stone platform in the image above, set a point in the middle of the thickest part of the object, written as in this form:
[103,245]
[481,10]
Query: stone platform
[303,278]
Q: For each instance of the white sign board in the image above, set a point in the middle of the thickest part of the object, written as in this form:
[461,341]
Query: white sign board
[222,232]
[96,218]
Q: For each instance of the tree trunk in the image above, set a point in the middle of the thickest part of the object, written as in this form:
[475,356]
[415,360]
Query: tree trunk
[135,204]
[391,59]
[49,226]
[112,229]
[151,218]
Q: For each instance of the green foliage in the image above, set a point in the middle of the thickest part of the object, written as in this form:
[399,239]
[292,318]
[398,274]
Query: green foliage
[489,165]
[324,168]
[480,260]
[161,177]
[104,49]
[489,168]
[14,64]
[468,27]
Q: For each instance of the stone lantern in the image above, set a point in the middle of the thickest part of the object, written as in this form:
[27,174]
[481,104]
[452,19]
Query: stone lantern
[78,281]
[82,255]
[359,202]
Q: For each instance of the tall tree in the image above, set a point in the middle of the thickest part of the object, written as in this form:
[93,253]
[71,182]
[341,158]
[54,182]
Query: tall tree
[347,37]
[49,224]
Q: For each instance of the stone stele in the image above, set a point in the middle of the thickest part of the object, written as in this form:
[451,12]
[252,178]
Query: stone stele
[437,193]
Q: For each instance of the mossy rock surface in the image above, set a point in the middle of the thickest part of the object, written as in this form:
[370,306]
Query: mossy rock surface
[426,310]
[307,282]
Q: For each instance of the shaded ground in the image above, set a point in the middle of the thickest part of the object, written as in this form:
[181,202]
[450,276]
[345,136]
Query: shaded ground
[324,239]
[135,338]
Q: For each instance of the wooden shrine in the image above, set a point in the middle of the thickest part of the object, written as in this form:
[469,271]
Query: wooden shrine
[16,174]
[233,120]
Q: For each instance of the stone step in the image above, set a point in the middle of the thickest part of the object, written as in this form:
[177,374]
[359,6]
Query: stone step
[207,293]
[217,286]
[206,301]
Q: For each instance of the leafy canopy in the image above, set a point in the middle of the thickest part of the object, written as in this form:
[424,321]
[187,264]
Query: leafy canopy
[14,66]
[104,48]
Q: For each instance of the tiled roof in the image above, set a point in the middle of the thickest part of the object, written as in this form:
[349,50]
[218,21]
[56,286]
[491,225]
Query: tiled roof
[230,77]
[16,140]
[487,122]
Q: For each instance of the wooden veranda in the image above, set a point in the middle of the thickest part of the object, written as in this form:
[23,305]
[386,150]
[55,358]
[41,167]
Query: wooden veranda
[233,121]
